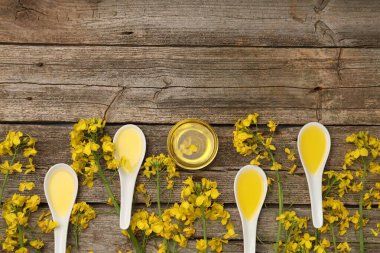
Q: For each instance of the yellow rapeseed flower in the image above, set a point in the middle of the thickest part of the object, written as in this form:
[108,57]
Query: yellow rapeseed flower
[82,214]
[45,223]
[343,247]
[201,245]
[272,125]
[307,240]
[26,186]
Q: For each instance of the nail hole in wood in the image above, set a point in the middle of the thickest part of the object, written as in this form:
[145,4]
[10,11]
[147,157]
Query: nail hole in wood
[127,33]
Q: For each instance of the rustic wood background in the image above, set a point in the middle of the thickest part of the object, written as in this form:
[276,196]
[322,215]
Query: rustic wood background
[154,63]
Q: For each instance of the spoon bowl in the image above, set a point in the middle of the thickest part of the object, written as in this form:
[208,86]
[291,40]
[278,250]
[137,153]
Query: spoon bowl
[61,188]
[250,189]
[130,144]
[314,145]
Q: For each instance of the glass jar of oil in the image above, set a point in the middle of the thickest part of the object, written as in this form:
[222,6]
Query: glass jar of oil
[192,144]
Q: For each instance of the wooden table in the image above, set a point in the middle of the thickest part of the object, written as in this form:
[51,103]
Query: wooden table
[154,63]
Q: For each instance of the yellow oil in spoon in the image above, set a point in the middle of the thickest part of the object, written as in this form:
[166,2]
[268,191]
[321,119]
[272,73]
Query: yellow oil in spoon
[61,191]
[129,147]
[313,146]
[249,192]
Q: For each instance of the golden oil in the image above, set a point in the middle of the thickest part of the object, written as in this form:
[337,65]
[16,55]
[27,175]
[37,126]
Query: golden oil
[192,144]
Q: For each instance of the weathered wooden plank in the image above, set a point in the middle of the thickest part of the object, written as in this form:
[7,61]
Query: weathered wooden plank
[54,148]
[164,85]
[93,238]
[158,67]
[69,103]
[212,23]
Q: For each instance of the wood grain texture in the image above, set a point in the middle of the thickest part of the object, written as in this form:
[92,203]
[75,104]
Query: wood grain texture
[164,85]
[155,62]
[292,23]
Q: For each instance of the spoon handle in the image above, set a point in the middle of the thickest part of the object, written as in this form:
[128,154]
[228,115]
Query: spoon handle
[315,189]
[249,232]
[60,237]
[127,187]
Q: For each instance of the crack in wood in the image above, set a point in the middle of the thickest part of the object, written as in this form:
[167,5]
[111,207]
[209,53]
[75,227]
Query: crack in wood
[167,82]
[196,87]
[117,95]
[320,5]
[20,7]
[318,102]
[338,65]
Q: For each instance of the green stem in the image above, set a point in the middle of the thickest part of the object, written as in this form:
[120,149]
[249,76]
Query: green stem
[331,186]
[333,237]
[135,243]
[110,194]
[280,208]
[287,240]
[158,191]
[145,238]
[20,236]
[6,176]
[3,186]
[76,236]
[108,187]
[361,223]
[30,231]
[280,201]
[316,234]
[204,226]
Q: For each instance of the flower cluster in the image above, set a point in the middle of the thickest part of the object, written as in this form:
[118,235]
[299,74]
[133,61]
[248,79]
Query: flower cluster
[176,224]
[148,225]
[199,201]
[365,145]
[335,215]
[365,158]
[16,156]
[89,144]
[297,239]
[248,141]
[16,145]
[157,165]
[16,213]
[358,164]
[81,215]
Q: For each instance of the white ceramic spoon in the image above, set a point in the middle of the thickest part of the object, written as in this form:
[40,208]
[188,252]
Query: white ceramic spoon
[128,178]
[314,180]
[61,188]
[250,223]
